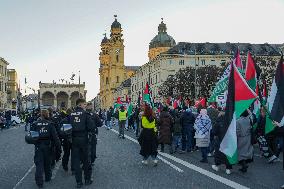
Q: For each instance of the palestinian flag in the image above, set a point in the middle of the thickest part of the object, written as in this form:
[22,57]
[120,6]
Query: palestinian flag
[276,97]
[147,96]
[250,73]
[238,61]
[117,104]
[239,98]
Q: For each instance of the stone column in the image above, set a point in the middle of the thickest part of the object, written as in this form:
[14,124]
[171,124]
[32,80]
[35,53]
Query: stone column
[55,102]
[69,103]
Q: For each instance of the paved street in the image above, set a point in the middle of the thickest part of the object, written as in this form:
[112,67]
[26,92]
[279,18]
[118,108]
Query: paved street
[119,166]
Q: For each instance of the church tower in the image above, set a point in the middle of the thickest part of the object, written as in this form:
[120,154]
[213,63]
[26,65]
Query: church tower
[112,69]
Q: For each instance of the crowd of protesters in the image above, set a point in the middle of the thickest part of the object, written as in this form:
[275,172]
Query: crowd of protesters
[188,129]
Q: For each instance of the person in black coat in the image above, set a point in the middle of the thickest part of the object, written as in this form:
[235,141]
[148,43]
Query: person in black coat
[93,135]
[66,143]
[187,121]
[42,159]
[218,132]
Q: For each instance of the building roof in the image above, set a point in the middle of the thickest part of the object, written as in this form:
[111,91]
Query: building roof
[3,60]
[225,48]
[162,39]
[133,68]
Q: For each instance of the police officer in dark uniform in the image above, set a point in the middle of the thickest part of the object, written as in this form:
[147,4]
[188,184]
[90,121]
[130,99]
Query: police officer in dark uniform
[82,124]
[66,142]
[42,155]
[93,136]
[54,118]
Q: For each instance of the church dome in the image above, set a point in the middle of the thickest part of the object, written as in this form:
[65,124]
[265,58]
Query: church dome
[162,39]
[115,24]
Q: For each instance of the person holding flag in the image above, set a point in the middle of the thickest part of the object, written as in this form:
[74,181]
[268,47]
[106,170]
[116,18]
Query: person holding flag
[239,98]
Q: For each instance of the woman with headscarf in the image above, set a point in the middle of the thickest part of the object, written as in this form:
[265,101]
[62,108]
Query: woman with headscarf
[148,137]
[203,128]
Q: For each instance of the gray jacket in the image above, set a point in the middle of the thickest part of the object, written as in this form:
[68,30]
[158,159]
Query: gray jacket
[245,148]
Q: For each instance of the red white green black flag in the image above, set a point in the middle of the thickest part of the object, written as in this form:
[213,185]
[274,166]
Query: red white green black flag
[240,97]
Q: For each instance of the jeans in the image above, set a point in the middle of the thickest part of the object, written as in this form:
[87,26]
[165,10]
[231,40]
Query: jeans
[204,152]
[8,124]
[121,128]
[176,142]
[26,126]
[187,138]
[109,124]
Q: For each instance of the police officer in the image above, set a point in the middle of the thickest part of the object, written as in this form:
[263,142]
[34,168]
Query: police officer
[55,120]
[82,124]
[66,141]
[42,155]
[93,136]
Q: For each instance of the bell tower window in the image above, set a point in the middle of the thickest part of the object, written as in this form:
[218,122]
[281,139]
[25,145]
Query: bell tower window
[117,79]
[107,82]
[117,58]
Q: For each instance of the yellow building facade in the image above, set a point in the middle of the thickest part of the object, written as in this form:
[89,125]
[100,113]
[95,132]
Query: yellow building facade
[112,69]
[12,89]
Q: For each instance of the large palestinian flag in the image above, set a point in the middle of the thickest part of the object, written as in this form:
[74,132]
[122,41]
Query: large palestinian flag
[239,98]
[276,97]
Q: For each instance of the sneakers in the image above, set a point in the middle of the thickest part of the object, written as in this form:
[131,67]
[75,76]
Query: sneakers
[155,162]
[282,187]
[215,167]
[210,155]
[228,171]
[144,162]
[272,159]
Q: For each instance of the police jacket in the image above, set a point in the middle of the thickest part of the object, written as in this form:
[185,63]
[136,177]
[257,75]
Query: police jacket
[47,132]
[82,123]
[96,119]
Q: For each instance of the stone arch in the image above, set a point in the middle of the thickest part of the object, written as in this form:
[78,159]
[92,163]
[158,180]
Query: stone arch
[47,98]
[73,97]
[62,98]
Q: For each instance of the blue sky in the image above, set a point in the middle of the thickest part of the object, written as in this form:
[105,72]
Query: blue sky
[48,40]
